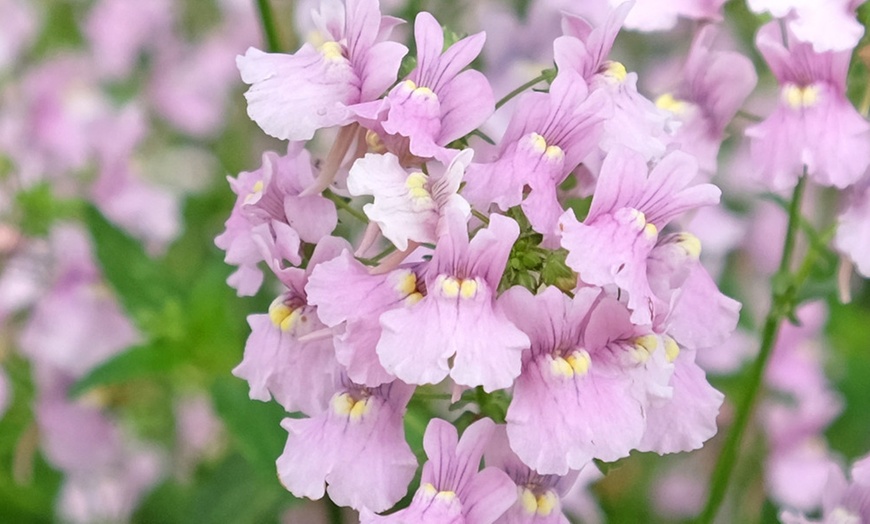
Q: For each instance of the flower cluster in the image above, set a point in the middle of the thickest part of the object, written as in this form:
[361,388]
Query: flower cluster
[488,281]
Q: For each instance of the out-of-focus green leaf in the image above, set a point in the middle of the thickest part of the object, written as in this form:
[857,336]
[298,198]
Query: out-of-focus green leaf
[142,284]
[230,491]
[255,427]
[142,361]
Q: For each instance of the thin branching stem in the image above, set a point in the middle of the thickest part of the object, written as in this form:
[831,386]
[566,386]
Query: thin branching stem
[782,304]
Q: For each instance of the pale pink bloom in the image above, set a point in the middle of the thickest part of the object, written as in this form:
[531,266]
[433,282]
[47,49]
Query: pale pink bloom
[630,206]
[111,494]
[146,210]
[452,490]
[78,323]
[19,29]
[853,228]
[844,501]
[410,206]
[51,121]
[347,295]
[829,25]
[270,219]
[636,122]
[291,96]
[713,87]
[438,102]
[586,360]
[539,497]
[355,450]
[662,15]
[300,374]
[796,415]
[119,31]
[548,136]
[814,127]
[459,319]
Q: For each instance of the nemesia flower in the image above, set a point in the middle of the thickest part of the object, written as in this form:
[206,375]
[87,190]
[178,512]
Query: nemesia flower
[714,86]
[300,374]
[636,123]
[270,216]
[459,318]
[700,318]
[699,315]
[78,323]
[586,382]
[19,30]
[51,118]
[796,415]
[853,228]
[346,293]
[629,208]
[452,490]
[409,206]
[546,139]
[438,102]
[119,30]
[814,126]
[112,494]
[356,447]
[146,210]
[539,497]
[292,96]
[829,25]
[844,500]
[659,15]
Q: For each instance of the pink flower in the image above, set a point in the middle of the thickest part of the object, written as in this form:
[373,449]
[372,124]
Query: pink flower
[714,86]
[662,15]
[636,122]
[829,25]
[853,228]
[292,96]
[539,497]
[345,293]
[300,374]
[270,219]
[459,318]
[630,206]
[814,126]
[586,383]
[410,206]
[356,448]
[844,500]
[438,102]
[452,490]
[547,138]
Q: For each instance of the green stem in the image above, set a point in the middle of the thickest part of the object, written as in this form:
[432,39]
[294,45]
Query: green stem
[377,258]
[531,83]
[780,308]
[480,216]
[270,30]
[749,116]
[341,203]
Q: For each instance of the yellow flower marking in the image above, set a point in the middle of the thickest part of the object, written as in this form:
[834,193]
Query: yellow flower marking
[282,315]
[798,97]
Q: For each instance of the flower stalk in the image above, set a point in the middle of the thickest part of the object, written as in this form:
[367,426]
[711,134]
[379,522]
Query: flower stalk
[782,306]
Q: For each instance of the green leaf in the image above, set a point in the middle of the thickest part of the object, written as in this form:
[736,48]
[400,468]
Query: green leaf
[254,426]
[142,284]
[580,206]
[142,361]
